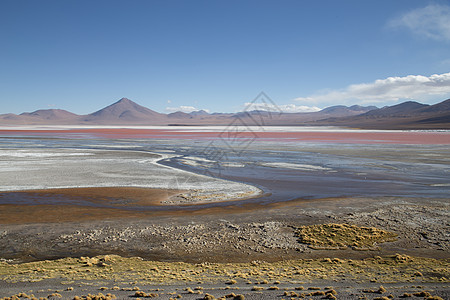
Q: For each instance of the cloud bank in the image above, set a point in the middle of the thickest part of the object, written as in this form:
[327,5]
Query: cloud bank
[432,21]
[412,87]
[287,108]
[184,108]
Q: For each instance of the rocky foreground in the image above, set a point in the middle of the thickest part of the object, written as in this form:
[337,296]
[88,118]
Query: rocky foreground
[361,248]
[237,234]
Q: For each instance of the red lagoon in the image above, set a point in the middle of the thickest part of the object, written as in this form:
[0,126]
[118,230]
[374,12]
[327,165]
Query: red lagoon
[232,134]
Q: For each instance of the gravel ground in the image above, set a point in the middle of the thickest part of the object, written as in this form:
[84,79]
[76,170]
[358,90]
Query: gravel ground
[344,291]
[236,234]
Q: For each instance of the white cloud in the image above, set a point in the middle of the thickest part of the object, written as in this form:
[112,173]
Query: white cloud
[287,108]
[184,108]
[416,87]
[432,21]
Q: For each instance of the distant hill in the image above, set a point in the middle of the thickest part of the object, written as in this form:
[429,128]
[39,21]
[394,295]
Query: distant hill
[50,114]
[345,110]
[42,116]
[407,115]
[180,115]
[124,111]
[444,106]
[400,110]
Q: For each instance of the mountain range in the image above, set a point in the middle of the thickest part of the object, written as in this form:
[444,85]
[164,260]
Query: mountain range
[407,115]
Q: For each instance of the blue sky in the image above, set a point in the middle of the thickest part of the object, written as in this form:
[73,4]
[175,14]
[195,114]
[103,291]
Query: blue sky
[219,55]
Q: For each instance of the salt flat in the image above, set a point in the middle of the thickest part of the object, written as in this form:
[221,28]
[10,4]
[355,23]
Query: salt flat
[30,169]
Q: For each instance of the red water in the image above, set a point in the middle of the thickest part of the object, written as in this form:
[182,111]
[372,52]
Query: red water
[356,137]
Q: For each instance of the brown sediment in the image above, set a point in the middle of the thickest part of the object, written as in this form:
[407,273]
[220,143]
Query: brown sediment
[101,203]
[98,203]
[117,196]
[27,214]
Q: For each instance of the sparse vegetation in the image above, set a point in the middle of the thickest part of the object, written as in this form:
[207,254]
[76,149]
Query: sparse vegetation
[342,236]
[331,291]
[130,273]
[397,267]
[317,293]
[99,296]
[145,295]
[422,294]
[406,295]
[380,290]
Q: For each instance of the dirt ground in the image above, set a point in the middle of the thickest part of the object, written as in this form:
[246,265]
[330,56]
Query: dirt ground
[233,233]
[227,234]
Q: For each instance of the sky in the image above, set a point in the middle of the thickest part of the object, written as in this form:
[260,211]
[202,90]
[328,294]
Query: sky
[219,56]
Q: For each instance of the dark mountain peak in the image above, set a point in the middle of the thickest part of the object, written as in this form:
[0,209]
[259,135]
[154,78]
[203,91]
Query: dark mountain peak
[443,106]
[199,113]
[122,106]
[403,109]
[122,111]
[179,114]
[410,105]
[334,108]
[362,108]
[256,112]
[342,109]
[124,101]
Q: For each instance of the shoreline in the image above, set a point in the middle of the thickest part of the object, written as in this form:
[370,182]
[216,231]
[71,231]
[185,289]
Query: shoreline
[107,203]
[114,169]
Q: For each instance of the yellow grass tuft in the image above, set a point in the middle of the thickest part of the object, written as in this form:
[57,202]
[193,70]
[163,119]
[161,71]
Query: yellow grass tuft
[342,236]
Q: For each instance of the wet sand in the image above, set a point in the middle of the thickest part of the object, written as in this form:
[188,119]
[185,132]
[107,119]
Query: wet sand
[96,196]
[79,204]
